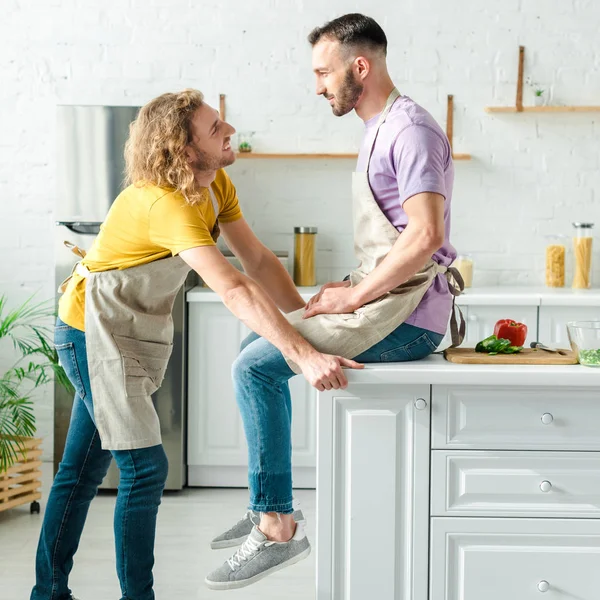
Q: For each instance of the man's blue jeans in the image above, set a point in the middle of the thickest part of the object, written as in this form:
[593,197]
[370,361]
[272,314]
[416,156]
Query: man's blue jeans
[84,464]
[260,377]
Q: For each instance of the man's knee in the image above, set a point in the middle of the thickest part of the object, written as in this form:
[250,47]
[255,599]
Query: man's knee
[248,340]
[147,465]
[259,358]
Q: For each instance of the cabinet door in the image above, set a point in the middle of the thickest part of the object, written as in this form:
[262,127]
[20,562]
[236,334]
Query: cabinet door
[514,559]
[554,319]
[215,432]
[217,450]
[372,492]
[481,321]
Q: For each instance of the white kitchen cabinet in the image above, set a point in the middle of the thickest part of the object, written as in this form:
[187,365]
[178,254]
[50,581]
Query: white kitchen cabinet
[554,319]
[481,320]
[373,490]
[515,559]
[217,451]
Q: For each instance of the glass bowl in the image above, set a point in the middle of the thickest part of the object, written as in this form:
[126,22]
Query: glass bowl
[585,341]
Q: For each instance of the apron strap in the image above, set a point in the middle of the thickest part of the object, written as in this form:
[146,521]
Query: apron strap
[75,249]
[456,285]
[77,267]
[214,201]
[216,232]
[395,94]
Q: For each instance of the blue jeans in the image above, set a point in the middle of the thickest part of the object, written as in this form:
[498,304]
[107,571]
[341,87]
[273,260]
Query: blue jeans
[260,378]
[84,464]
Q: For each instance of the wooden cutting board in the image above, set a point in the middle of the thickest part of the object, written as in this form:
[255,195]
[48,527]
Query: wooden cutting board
[527,356]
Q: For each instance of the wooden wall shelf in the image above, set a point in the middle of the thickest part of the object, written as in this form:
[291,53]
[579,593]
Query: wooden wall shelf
[542,109]
[534,109]
[450,129]
[292,155]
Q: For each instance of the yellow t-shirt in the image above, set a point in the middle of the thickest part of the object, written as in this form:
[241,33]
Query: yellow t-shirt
[145,224]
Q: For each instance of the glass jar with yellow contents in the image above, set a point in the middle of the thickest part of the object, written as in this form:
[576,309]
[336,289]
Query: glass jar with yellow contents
[304,256]
[556,251]
[582,248]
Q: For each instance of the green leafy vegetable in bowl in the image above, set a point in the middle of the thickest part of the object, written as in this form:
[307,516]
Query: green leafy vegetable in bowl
[493,345]
[590,357]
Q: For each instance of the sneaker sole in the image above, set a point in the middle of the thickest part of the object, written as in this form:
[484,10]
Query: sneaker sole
[233,585]
[221,544]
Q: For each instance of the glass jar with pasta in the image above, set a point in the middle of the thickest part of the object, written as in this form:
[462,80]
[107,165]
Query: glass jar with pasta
[582,248]
[556,250]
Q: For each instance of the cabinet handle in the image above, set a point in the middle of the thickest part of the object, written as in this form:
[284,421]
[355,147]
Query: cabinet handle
[543,586]
[420,404]
[547,418]
[545,486]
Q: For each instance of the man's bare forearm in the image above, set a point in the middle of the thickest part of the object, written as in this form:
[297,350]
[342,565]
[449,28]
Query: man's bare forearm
[276,281]
[251,304]
[409,255]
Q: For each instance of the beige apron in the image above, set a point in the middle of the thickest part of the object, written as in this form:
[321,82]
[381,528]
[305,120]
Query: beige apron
[349,335]
[129,338]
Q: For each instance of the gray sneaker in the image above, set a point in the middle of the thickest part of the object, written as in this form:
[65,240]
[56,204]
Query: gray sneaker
[257,558]
[241,530]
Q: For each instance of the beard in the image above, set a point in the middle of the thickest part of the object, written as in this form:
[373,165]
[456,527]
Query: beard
[347,96]
[205,161]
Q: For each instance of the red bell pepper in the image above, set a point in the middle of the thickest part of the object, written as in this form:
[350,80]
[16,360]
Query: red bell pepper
[511,330]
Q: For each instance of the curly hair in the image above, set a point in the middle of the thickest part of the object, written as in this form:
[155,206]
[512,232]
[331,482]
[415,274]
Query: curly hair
[155,150]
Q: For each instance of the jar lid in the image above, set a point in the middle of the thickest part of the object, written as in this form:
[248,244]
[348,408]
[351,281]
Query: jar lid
[305,230]
[583,225]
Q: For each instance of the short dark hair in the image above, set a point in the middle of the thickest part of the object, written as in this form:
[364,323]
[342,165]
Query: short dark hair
[352,30]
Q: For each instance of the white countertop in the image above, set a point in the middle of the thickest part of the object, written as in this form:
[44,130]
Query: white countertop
[436,370]
[202,294]
[488,296]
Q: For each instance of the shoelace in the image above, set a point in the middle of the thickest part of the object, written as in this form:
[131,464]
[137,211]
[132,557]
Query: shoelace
[248,549]
[247,515]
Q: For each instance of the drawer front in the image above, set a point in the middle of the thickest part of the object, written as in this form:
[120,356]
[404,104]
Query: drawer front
[515,484]
[515,559]
[515,418]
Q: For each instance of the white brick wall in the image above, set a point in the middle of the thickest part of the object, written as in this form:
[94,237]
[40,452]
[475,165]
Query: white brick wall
[531,174]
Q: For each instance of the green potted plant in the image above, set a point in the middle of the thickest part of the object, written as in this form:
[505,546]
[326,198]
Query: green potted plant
[539,97]
[32,363]
[539,93]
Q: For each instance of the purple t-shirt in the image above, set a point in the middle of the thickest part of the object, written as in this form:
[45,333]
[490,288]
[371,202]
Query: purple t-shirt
[412,155]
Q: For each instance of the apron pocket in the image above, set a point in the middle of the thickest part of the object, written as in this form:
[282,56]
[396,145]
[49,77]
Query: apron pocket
[144,364]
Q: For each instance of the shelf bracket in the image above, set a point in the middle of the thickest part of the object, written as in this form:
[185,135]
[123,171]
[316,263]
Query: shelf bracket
[450,129]
[222,107]
[520,79]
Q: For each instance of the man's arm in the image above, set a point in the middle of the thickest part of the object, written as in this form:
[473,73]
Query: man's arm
[421,238]
[423,235]
[261,265]
[248,301]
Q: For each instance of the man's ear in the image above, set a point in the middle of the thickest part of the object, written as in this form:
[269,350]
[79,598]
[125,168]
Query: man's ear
[362,66]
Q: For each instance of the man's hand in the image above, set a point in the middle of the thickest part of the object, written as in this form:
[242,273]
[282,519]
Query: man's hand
[324,371]
[334,301]
[333,284]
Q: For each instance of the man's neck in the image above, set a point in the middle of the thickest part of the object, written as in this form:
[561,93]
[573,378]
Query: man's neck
[374,98]
[204,178]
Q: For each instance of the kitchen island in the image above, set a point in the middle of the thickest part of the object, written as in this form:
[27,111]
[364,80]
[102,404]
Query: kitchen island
[436,481]
[216,444]
[459,482]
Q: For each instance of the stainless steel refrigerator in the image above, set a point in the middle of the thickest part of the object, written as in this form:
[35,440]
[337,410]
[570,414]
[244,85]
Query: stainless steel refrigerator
[91,141]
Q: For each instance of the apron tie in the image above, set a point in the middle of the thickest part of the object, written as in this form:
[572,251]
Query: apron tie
[77,267]
[456,286]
